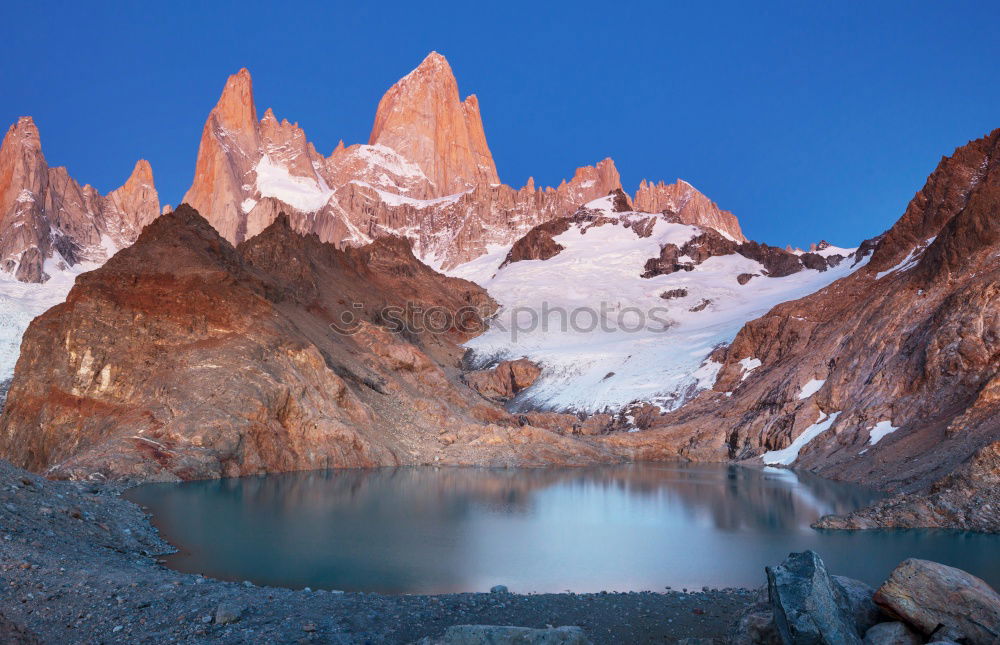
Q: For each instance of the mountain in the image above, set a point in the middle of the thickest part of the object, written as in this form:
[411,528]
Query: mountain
[52,229]
[184,357]
[422,118]
[683,201]
[49,223]
[889,376]
[426,174]
[604,298]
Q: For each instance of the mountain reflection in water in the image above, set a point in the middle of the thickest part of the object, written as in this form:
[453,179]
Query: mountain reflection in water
[436,530]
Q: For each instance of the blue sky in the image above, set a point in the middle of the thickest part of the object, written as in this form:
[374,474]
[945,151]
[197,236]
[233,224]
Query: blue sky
[807,120]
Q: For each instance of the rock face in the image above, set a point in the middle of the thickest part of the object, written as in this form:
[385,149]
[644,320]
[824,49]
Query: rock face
[45,215]
[683,201]
[423,119]
[505,380]
[929,596]
[281,354]
[904,351]
[809,607]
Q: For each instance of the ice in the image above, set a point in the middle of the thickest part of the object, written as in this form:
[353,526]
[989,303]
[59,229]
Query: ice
[303,193]
[392,199]
[810,388]
[880,430]
[749,365]
[20,302]
[597,276]
[787,456]
[387,158]
[910,261]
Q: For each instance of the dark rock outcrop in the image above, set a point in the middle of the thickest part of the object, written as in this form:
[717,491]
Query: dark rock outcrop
[538,244]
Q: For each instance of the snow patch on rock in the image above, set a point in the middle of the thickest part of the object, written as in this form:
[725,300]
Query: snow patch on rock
[787,456]
[877,432]
[303,193]
[810,388]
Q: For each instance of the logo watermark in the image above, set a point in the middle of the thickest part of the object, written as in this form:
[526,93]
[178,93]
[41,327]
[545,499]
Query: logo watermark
[415,319]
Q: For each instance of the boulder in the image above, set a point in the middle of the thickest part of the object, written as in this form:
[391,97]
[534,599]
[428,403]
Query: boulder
[227,613]
[893,633]
[930,596]
[755,626]
[859,598]
[505,635]
[809,606]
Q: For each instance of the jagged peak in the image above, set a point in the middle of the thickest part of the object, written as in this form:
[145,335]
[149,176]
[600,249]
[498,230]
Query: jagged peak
[424,120]
[141,173]
[433,63]
[235,109]
[25,132]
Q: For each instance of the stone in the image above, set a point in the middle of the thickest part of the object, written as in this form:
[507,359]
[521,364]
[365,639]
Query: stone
[809,607]
[227,613]
[929,595]
[892,633]
[756,626]
[860,600]
[507,635]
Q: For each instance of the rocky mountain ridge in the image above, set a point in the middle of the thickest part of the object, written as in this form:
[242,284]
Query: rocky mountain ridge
[47,217]
[426,173]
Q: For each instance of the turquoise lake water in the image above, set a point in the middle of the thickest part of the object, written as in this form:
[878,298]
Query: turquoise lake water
[614,528]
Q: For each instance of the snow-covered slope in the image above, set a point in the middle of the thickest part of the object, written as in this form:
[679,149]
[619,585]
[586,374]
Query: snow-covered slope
[20,302]
[611,338]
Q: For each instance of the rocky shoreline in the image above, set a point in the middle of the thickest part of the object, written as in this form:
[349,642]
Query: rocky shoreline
[78,564]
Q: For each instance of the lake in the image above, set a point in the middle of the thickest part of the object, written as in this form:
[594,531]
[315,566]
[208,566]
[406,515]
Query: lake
[614,528]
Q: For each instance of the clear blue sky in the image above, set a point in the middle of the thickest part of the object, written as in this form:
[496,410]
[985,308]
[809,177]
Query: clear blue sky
[807,120]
